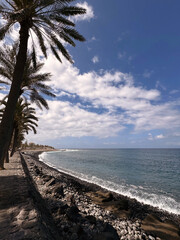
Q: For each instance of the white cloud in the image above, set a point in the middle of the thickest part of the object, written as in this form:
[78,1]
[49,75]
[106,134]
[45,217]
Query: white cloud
[157,137]
[95,59]
[160,136]
[115,92]
[65,119]
[84,17]
[124,103]
[2,95]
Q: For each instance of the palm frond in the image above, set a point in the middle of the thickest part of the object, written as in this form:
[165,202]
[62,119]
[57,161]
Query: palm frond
[72,11]
[61,48]
[41,40]
[55,53]
[5,29]
[74,34]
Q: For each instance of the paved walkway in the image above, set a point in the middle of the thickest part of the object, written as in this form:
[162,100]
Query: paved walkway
[18,215]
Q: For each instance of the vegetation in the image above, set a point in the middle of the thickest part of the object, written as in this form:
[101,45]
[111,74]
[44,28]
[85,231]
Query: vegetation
[33,86]
[24,121]
[31,145]
[49,20]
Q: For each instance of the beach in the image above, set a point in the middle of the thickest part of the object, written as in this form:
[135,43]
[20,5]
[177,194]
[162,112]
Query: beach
[69,208]
[128,217]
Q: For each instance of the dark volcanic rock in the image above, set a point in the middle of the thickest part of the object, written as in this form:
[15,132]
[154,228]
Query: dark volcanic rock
[108,198]
[62,209]
[105,236]
[58,189]
[91,219]
[109,229]
[72,213]
[36,169]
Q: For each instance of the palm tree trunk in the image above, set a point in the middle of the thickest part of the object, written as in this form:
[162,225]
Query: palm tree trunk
[8,116]
[7,157]
[14,142]
[8,145]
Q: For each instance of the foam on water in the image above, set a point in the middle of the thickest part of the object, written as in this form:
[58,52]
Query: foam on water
[160,201]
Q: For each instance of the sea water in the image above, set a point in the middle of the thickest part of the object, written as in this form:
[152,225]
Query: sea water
[152,176]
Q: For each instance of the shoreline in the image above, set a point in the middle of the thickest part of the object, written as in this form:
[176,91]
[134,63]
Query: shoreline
[120,206]
[88,181]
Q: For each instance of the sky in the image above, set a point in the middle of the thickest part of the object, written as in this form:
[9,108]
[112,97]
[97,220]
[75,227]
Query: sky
[123,90]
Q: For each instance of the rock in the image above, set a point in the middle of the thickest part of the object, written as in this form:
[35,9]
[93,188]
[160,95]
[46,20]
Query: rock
[58,189]
[105,236]
[109,197]
[46,177]
[54,208]
[22,215]
[32,215]
[91,219]
[72,213]
[62,209]
[29,224]
[37,171]
[71,200]
[78,229]
[74,236]
[151,237]
[109,229]
[51,182]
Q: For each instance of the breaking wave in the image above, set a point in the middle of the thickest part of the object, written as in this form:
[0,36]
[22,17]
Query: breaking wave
[140,193]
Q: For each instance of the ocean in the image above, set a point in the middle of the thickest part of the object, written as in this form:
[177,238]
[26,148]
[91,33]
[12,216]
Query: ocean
[152,176]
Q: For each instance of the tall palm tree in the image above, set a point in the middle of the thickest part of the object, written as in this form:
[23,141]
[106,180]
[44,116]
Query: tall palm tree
[49,20]
[34,83]
[24,121]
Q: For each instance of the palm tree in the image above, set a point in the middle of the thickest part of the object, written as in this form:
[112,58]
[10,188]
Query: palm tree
[24,121]
[33,86]
[49,20]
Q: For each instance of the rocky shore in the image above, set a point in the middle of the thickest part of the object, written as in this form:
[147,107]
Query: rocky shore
[81,210]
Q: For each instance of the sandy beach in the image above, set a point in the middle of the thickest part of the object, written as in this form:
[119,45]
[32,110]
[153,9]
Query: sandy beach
[55,205]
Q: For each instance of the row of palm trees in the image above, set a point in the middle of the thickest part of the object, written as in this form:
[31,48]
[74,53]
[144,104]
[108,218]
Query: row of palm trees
[33,88]
[24,121]
[49,21]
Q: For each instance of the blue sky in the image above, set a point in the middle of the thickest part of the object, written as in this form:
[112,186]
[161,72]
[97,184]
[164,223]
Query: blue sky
[123,89]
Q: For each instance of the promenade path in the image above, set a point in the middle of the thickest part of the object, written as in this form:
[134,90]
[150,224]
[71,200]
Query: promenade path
[19,217]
